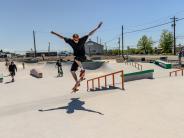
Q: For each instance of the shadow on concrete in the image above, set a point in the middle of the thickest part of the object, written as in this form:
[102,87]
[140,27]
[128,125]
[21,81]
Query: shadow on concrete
[75,104]
[8,82]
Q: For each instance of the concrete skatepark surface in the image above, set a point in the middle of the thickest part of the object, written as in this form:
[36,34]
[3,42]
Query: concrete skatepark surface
[45,108]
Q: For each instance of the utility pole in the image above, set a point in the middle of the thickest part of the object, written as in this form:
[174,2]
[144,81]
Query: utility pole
[49,49]
[34,43]
[174,27]
[106,47]
[122,41]
[119,46]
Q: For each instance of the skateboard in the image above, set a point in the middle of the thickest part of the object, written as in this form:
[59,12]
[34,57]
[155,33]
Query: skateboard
[77,85]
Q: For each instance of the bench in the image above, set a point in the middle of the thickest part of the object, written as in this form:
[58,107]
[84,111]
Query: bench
[1,78]
[163,64]
[36,73]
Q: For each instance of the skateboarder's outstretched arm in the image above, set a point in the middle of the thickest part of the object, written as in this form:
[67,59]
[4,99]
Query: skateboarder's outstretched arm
[60,36]
[92,32]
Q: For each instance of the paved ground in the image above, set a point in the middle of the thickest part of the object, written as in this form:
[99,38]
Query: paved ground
[45,108]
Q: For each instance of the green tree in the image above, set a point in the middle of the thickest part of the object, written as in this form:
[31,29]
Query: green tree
[145,45]
[166,41]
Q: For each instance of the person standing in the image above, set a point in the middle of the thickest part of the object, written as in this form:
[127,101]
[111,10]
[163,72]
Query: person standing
[179,57]
[12,68]
[23,65]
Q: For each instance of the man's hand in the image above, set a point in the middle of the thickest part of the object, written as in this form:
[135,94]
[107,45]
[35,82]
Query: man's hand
[100,24]
[52,32]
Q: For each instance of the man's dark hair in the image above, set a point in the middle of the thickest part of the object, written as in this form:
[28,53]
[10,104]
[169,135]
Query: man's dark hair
[75,36]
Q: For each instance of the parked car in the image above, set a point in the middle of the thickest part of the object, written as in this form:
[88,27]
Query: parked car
[64,53]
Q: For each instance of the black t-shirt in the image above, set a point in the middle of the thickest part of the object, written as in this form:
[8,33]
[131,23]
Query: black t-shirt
[78,48]
[58,63]
[12,68]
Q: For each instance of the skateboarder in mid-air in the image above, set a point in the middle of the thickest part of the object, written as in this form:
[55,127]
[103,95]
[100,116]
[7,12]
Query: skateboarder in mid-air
[77,44]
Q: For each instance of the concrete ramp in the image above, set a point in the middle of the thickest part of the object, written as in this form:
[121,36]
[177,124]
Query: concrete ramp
[92,65]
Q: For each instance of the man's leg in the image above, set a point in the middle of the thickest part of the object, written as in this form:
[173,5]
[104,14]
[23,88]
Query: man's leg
[79,64]
[58,71]
[73,70]
[13,79]
[12,76]
[74,76]
[82,72]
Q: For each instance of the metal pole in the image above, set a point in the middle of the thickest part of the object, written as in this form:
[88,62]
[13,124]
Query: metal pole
[113,83]
[93,84]
[49,49]
[99,83]
[119,47]
[174,35]
[106,48]
[174,27]
[87,85]
[105,81]
[122,41]
[122,79]
[34,43]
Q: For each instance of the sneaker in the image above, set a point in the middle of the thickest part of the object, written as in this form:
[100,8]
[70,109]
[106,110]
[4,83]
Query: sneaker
[82,73]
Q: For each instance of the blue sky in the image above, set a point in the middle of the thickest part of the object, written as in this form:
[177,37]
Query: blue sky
[20,17]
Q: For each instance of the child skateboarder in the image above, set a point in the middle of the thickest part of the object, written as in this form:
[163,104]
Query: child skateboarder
[59,66]
[77,44]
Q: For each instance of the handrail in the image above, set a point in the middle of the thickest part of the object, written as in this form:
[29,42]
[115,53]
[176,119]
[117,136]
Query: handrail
[105,77]
[135,64]
[176,71]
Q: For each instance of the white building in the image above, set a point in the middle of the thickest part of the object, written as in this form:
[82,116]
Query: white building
[93,48]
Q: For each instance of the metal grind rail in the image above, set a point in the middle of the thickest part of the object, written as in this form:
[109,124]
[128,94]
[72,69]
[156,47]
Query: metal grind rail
[105,77]
[176,72]
[135,64]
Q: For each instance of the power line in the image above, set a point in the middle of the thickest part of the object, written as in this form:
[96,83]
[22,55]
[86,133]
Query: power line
[179,36]
[140,30]
[155,26]
[144,24]
[156,20]
[179,19]
[114,38]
